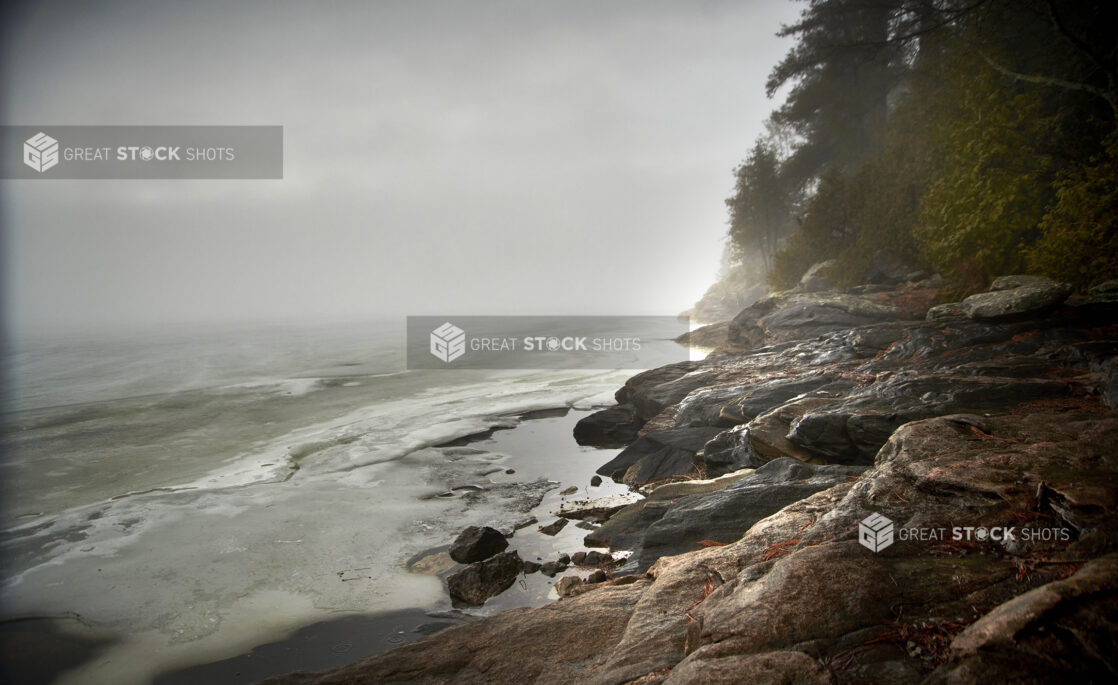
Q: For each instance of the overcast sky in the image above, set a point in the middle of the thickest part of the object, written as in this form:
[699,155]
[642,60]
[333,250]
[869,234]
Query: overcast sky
[440,157]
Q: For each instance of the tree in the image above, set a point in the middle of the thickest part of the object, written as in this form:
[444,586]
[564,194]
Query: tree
[759,208]
[1079,233]
[840,74]
[976,135]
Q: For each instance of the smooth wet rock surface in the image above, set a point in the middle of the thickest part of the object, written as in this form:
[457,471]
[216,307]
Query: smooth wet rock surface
[477,543]
[659,454]
[612,427]
[479,581]
[1011,296]
[936,423]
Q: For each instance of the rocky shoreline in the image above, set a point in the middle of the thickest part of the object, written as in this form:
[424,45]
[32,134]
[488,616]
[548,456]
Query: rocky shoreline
[854,487]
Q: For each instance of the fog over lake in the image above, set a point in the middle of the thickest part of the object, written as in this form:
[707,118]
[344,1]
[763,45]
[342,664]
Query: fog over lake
[475,158]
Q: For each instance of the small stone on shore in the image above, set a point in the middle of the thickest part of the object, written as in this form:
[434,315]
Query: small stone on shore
[566,584]
[552,568]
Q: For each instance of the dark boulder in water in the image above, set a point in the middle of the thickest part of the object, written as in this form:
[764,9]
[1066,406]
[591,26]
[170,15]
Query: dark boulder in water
[484,579]
[477,543]
[613,427]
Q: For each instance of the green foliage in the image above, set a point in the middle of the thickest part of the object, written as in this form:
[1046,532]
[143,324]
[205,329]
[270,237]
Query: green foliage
[853,216]
[992,157]
[992,180]
[828,220]
[1079,234]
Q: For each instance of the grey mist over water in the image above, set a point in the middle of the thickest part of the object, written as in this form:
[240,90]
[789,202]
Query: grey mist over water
[484,158]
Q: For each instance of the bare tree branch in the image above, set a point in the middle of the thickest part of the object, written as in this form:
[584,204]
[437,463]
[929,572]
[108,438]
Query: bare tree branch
[1107,68]
[1108,95]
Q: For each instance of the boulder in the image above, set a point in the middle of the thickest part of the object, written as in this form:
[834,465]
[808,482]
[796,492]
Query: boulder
[477,543]
[733,405]
[551,568]
[596,558]
[707,337]
[567,585]
[612,427]
[800,316]
[1015,281]
[852,430]
[729,451]
[651,399]
[1016,296]
[1104,292]
[947,310]
[479,581]
[809,316]
[651,378]
[658,454]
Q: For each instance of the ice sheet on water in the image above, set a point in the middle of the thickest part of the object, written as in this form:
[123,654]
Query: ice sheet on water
[348,495]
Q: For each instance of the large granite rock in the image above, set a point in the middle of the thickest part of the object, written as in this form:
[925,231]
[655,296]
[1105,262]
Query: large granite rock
[479,581]
[476,543]
[800,316]
[1015,296]
[708,337]
[733,405]
[837,399]
[1106,292]
[613,427]
[660,454]
[729,451]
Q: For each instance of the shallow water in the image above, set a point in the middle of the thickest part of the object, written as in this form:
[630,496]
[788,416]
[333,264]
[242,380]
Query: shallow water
[250,499]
